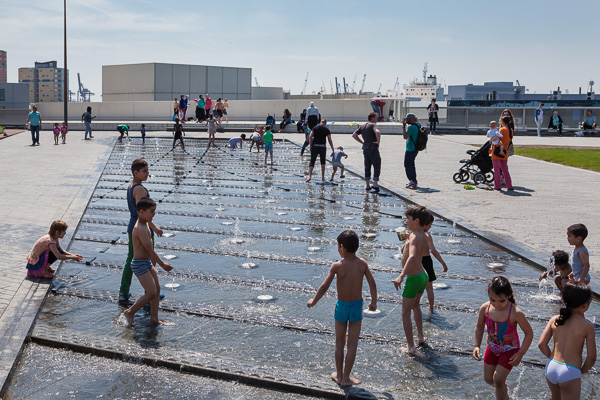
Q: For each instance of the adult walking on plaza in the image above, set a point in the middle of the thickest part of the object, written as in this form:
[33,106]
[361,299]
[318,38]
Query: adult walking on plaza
[370,145]
[539,118]
[318,147]
[34,119]
[312,116]
[87,120]
[411,135]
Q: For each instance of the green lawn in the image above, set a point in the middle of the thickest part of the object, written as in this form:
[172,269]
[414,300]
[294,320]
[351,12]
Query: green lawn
[579,158]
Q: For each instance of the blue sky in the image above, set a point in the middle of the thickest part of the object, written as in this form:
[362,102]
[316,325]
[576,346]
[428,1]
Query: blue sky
[543,44]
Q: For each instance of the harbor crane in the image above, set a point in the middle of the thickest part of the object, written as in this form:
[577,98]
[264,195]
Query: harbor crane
[256,81]
[362,87]
[305,82]
[396,87]
[83,95]
[323,87]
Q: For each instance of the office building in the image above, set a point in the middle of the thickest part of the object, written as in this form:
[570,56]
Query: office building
[46,82]
[160,82]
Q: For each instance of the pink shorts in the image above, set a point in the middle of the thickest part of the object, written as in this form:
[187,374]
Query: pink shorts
[502,360]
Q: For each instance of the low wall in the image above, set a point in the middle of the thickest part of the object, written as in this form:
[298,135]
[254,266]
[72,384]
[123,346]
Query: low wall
[239,110]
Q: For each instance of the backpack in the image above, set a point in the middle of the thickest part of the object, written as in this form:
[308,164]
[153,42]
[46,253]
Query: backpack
[421,143]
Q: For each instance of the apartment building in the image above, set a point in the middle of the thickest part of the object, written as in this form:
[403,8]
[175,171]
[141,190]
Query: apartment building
[46,82]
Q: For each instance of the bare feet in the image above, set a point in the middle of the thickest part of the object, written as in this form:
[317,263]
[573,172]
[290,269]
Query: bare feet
[130,318]
[307,180]
[349,382]
[335,378]
[410,350]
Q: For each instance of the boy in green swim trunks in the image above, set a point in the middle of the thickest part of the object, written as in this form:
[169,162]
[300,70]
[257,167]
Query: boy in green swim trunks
[348,310]
[416,277]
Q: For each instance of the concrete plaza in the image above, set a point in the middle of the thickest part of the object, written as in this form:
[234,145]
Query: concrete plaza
[48,182]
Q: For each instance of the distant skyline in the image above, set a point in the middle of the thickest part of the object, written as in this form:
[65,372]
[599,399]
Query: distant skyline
[543,44]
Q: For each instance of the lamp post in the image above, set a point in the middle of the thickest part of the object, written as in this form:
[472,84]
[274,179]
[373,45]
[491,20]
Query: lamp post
[65,78]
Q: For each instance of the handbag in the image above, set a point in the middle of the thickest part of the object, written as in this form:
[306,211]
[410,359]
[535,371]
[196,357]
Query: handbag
[511,149]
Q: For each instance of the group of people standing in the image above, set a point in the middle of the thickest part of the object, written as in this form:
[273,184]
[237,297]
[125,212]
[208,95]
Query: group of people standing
[206,108]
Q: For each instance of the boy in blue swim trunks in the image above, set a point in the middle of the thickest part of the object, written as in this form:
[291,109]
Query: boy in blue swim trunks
[144,258]
[416,277]
[135,191]
[348,310]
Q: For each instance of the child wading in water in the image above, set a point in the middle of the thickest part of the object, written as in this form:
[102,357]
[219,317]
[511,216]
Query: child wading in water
[561,269]
[212,129]
[348,309]
[268,139]
[570,331]
[576,234]
[178,134]
[135,191]
[47,250]
[144,258]
[428,262]
[501,316]
[416,277]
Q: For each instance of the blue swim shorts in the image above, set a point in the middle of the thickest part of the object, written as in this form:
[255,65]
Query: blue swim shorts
[348,311]
[269,148]
[140,266]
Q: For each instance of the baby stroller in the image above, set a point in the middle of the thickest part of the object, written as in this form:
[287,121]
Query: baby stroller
[478,167]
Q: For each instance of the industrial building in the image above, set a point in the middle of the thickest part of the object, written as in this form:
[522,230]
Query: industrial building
[3,73]
[14,96]
[46,82]
[160,82]
[487,91]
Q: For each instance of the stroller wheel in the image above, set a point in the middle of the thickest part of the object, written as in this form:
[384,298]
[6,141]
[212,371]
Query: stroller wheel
[479,178]
[458,177]
[489,177]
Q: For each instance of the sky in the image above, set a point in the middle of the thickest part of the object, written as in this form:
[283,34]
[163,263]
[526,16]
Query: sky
[544,44]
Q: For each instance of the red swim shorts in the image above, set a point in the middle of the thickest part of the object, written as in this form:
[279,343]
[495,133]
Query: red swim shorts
[491,359]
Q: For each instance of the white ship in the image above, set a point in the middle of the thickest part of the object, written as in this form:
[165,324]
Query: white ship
[424,90]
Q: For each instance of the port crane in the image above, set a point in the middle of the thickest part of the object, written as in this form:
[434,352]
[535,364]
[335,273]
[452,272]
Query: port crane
[305,82]
[83,95]
[362,87]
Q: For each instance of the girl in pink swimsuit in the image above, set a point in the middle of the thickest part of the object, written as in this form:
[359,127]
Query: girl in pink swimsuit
[504,351]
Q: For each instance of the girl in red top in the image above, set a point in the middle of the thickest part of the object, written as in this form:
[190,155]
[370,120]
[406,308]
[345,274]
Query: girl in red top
[499,162]
[504,351]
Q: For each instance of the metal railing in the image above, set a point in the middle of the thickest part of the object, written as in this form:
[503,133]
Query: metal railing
[480,117]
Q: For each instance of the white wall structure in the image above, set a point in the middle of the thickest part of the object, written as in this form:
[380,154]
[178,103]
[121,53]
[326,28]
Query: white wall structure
[267,93]
[164,82]
[239,110]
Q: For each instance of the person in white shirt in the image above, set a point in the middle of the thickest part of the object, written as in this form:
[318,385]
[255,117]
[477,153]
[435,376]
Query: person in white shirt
[539,118]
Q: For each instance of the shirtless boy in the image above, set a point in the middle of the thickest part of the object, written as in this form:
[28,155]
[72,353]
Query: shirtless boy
[348,309]
[416,277]
[144,258]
